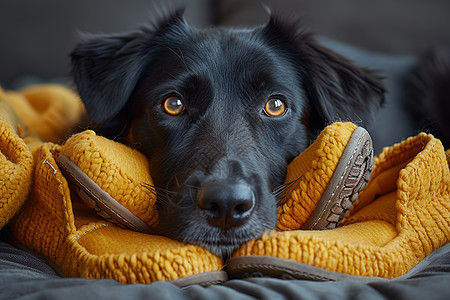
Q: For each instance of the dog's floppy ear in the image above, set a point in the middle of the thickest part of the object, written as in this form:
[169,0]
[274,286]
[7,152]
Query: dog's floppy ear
[336,88]
[106,68]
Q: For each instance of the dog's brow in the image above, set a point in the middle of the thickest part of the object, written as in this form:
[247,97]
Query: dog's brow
[180,55]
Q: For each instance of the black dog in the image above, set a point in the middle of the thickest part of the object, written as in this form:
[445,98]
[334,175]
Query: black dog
[219,113]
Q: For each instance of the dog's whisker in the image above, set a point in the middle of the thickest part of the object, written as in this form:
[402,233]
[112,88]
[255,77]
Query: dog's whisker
[280,191]
[197,188]
[165,196]
[161,193]
[151,188]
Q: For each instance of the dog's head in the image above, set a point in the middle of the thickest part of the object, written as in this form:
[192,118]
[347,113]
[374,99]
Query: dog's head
[219,113]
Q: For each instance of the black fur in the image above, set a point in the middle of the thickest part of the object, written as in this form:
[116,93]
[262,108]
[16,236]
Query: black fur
[223,138]
[427,95]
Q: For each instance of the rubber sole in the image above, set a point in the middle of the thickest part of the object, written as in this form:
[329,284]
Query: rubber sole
[268,266]
[203,279]
[93,196]
[349,178]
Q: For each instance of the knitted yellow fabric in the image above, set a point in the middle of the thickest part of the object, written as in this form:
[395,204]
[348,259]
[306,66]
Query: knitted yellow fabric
[400,218]
[119,170]
[82,244]
[16,164]
[7,113]
[47,110]
[310,173]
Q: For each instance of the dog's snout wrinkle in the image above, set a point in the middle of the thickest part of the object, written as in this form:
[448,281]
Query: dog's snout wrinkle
[226,205]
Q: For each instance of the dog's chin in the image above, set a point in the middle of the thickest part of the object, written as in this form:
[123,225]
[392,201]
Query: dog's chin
[224,243]
[222,250]
[220,242]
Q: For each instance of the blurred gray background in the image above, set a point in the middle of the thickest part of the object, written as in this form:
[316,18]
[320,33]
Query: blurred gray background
[36,37]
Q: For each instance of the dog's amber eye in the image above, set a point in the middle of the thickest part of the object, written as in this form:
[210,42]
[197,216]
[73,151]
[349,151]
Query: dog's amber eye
[173,105]
[275,107]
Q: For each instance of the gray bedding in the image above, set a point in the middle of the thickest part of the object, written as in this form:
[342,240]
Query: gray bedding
[23,275]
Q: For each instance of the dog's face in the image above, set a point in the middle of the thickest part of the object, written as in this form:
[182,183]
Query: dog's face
[219,113]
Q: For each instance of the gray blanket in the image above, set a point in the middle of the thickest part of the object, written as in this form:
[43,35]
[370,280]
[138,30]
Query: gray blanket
[24,275]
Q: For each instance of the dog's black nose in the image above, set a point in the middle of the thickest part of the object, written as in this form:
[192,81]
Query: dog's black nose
[226,205]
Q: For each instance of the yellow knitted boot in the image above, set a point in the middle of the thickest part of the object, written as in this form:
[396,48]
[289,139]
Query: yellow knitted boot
[81,242]
[324,180]
[16,163]
[49,111]
[112,178]
[401,217]
[37,112]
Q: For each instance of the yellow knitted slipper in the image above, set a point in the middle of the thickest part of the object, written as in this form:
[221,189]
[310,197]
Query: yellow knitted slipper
[401,217]
[112,178]
[325,179]
[49,111]
[16,163]
[83,244]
